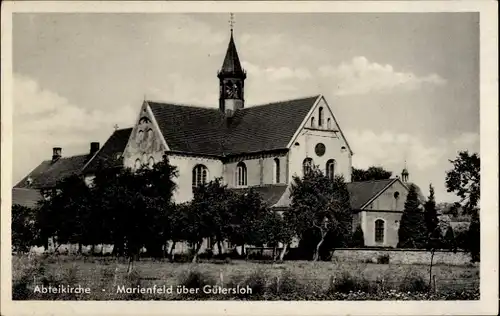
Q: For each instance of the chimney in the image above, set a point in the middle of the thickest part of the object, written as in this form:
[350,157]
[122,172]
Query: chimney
[94,147]
[56,153]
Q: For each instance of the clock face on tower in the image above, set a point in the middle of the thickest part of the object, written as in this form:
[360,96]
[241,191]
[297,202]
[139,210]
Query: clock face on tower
[232,90]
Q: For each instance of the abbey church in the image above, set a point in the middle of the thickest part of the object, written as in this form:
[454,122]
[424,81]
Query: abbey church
[259,146]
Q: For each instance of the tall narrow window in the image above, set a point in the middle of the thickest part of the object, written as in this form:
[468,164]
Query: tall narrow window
[307,166]
[241,174]
[138,164]
[329,123]
[330,168]
[199,175]
[276,170]
[320,116]
[151,162]
[379,230]
[312,122]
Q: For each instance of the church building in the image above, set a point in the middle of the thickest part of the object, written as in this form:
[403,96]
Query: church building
[259,146]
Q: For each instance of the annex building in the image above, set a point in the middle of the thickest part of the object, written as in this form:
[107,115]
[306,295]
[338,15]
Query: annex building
[259,146]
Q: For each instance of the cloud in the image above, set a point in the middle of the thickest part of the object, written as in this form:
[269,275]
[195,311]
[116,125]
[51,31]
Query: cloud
[277,73]
[392,149]
[360,76]
[467,141]
[44,119]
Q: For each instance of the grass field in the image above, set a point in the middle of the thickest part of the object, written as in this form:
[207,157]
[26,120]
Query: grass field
[107,273]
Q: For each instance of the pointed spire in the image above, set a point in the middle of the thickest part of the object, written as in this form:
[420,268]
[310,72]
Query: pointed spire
[231,64]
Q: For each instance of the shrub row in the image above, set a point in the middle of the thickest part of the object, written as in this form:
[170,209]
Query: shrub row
[284,286]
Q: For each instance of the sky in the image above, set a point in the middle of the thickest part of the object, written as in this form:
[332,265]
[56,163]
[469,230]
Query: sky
[403,86]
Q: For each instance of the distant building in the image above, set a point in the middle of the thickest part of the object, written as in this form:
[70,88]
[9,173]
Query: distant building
[257,146]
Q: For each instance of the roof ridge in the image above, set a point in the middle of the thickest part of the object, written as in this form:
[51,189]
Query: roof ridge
[374,180]
[181,104]
[283,101]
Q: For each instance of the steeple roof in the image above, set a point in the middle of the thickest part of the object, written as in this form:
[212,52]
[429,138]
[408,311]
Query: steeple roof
[231,64]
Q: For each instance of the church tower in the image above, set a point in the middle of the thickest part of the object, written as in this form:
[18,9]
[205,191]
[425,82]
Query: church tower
[405,174]
[231,80]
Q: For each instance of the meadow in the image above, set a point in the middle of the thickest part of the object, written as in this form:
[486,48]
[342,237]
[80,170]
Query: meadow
[290,280]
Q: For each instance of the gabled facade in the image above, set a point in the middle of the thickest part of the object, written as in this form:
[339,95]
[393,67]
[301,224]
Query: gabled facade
[377,207]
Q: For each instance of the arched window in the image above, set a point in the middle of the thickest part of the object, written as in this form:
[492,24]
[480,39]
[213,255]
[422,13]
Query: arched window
[276,170]
[379,230]
[307,166]
[241,174]
[312,121]
[328,123]
[149,135]
[330,168]
[151,162]
[200,175]
[138,164]
[320,116]
[140,136]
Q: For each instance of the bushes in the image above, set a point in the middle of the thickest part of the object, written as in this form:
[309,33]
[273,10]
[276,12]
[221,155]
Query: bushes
[414,283]
[383,258]
[347,283]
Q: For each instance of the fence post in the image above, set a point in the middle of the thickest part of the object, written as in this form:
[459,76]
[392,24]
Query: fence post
[434,281]
[277,284]
[221,276]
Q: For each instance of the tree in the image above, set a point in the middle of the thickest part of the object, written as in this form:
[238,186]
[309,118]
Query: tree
[23,228]
[449,239]
[320,210]
[372,173]
[474,238]
[464,180]
[213,204]
[412,230]
[250,219]
[64,212]
[431,222]
[358,238]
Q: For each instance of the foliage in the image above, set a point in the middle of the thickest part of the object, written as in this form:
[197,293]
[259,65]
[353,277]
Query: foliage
[474,237]
[372,173]
[432,226]
[449,239]
[383,258]
[320,211]
[358,237]
[23,228]
[412,230]
[464,180]
[128,209]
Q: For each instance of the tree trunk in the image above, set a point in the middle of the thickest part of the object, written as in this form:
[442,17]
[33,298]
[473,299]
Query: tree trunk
[283,251]
[195,257]
[316,252]
[80,248]
[92,249]
[242,250]
[219,245]
[171,254]
[430,268]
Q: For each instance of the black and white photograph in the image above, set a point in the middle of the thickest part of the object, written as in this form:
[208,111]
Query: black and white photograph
[228,153]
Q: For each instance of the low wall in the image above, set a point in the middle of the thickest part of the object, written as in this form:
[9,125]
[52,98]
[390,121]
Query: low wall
[404,256]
